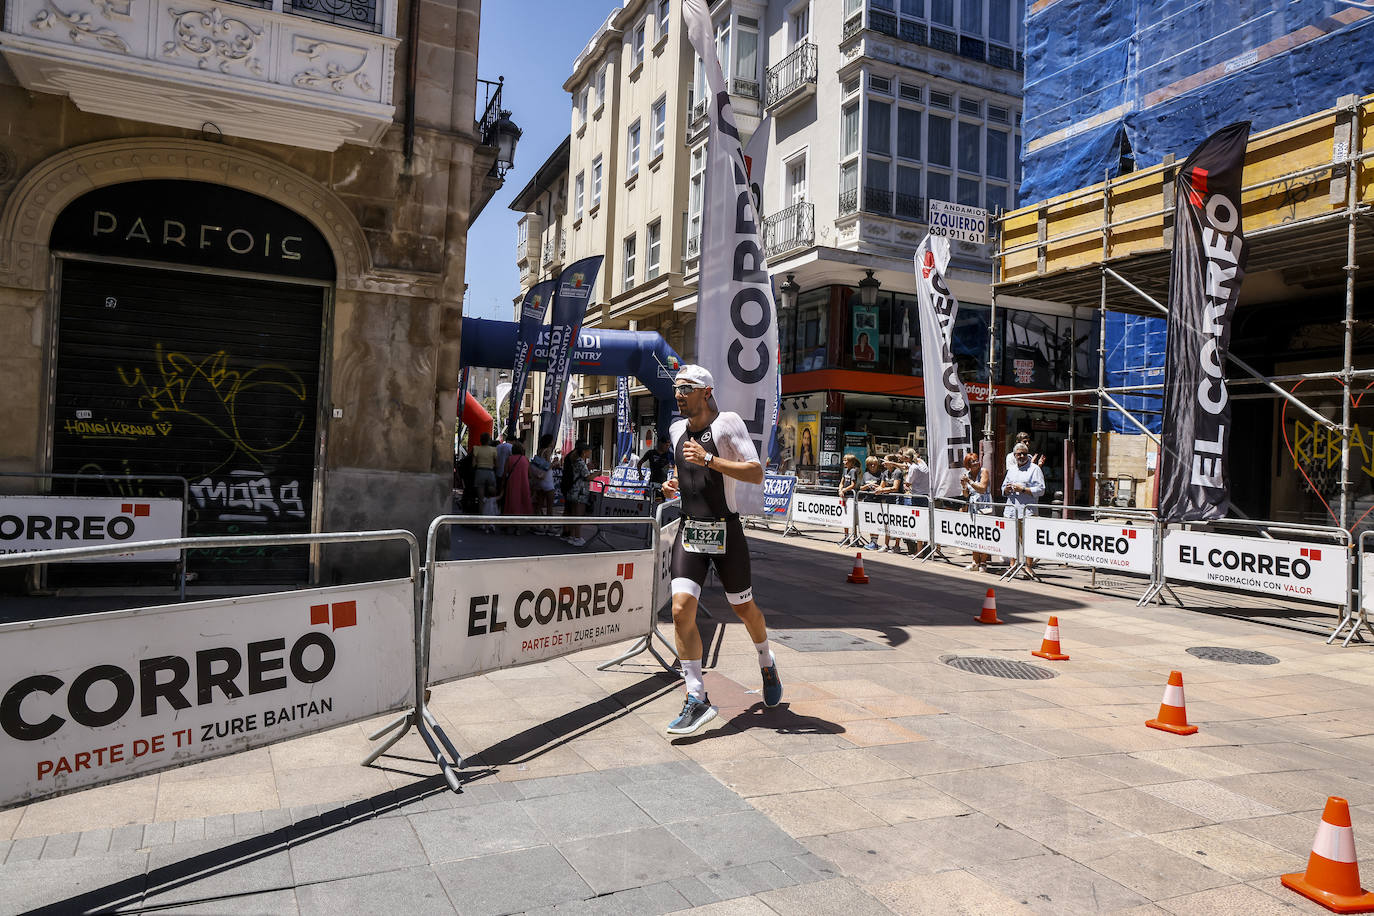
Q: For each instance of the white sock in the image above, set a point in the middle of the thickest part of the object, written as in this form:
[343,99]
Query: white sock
[691,672]
[765,654]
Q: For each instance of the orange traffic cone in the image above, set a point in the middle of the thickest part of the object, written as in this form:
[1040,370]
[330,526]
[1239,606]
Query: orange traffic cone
[858,576]
[1333,874]
[1173,717]
[989,614]
[1049,646]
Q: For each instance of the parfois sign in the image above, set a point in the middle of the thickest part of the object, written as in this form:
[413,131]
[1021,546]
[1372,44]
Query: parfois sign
[488,616]
[981,533]
[1127,549]
[1287,569]
[94,699]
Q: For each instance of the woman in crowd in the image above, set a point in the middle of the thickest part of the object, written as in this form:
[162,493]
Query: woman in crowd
[517,483]
[917,490]
[976,483]
[849,485]
[872,480]
[890,490]
[541,482]
[578,490]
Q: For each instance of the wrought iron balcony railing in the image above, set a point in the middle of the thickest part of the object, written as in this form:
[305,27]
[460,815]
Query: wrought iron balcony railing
[790,229]
[849,202]
[748,89]
[793,73]
[911,206]
[877,200]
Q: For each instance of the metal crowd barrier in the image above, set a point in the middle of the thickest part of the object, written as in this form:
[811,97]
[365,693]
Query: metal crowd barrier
[1124,541]
[242,725]
[163,478]
[1358,615]
[988,537]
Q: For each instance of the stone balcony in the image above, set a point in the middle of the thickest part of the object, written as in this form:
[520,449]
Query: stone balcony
[307,73]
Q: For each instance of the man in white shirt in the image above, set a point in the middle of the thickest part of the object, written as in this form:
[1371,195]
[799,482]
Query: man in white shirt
[1023,486]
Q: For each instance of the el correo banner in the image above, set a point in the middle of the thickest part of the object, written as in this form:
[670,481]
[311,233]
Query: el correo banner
[102,697]
[958,221]
[494,614]
[1366,583]
[821,511]
[909,522]
[1283,569]
[663,584]
[981,533]
[949,421]
[51,522]
[1122,548]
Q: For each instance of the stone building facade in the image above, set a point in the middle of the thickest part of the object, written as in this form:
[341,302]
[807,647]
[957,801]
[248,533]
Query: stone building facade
[232,249]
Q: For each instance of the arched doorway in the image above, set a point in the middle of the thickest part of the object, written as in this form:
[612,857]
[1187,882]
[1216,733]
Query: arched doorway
[188,340]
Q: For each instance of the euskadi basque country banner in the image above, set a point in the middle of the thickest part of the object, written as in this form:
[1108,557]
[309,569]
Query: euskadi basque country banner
[1204,284]
[983,533]
[1284,569]
[1124,548]
[103,697]
[909,522]
[494,614]
[737,330]
[531,320]
[821,511]
[565,323]
[624,433]
[777,494]
[53,522]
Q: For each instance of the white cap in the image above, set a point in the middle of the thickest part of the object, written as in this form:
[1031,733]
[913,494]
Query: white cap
[697,376]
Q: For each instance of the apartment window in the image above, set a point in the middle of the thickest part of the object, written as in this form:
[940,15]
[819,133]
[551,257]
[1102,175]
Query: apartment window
[582,104]
[908,133]
[942,12]
[1016,157]
[655,246]
[849,186]
[580,186]
[880,84]
[999,21]
[696,184]
[638,56]
[909,192]
[970,147]
[941,100]
[632,150]
[910,92]
[998,114]
[997,153]
[800,26]
[596,182]
[969,192]
[878,177]
[794,191]
[601,86]
[747,51]
[971,17]
[937,186]
[852,6]
[723,45]
[970,107]
[915,8]
[664,12]
[849,129]
[879,127]
[938,140]
[660,113]
[629,262]
[852,85]
[997,198]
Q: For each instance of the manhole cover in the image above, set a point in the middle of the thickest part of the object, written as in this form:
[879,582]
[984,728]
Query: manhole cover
[1234,656]
[824,641]
[997,667]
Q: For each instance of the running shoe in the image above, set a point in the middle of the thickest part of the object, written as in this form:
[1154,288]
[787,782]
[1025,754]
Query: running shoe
[576,542]
[696,712]
[772,686]
[871,545]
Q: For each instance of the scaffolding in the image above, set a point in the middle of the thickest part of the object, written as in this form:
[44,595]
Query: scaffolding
[1306,206]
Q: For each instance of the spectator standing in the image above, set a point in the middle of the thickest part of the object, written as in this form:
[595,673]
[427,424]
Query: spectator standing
[976,483]
[917,490]
[484,468]
[517,484]
[577,490]
[659,459]
[1023,486]
[889,491]
[541,482]
[868,487]
[849,486]
[502,459]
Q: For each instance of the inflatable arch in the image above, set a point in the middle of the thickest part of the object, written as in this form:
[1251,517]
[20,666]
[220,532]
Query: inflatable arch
[644,355]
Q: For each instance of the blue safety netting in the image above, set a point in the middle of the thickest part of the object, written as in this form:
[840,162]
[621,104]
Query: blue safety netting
[1110,86]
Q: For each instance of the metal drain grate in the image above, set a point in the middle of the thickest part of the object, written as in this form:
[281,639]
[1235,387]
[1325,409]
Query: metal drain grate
[997,667]
[1234,656]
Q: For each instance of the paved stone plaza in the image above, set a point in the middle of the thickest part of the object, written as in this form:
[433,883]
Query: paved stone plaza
[887,782]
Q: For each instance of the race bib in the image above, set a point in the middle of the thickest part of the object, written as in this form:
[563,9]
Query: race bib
[703,537]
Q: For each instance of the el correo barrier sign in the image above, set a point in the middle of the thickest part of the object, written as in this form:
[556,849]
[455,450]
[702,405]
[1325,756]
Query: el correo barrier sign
[494,614]
[1125,548]
[890,519]
[820,511]
[958,221]
[981,533]
[51,522]
[102,697]
[1285,569]
[1366,582]
[663,588]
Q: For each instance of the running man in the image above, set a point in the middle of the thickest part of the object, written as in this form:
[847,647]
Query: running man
[712,451]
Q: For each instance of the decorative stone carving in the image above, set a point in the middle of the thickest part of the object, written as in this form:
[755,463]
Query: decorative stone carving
[80,25]
[328,71]
[214,40]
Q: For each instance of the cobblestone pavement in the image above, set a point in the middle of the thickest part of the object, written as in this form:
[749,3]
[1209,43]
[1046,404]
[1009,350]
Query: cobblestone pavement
[888,781]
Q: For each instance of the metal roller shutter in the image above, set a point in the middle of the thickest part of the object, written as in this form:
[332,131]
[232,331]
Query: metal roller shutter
[209,377]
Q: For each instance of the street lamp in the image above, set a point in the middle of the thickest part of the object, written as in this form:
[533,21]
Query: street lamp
[868,289]
[788,290]
[507,135]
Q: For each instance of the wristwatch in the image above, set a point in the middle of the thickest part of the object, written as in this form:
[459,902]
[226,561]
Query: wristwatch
[709,456]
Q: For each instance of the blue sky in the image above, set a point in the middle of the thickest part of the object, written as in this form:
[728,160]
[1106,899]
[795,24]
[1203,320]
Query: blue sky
[533,44]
